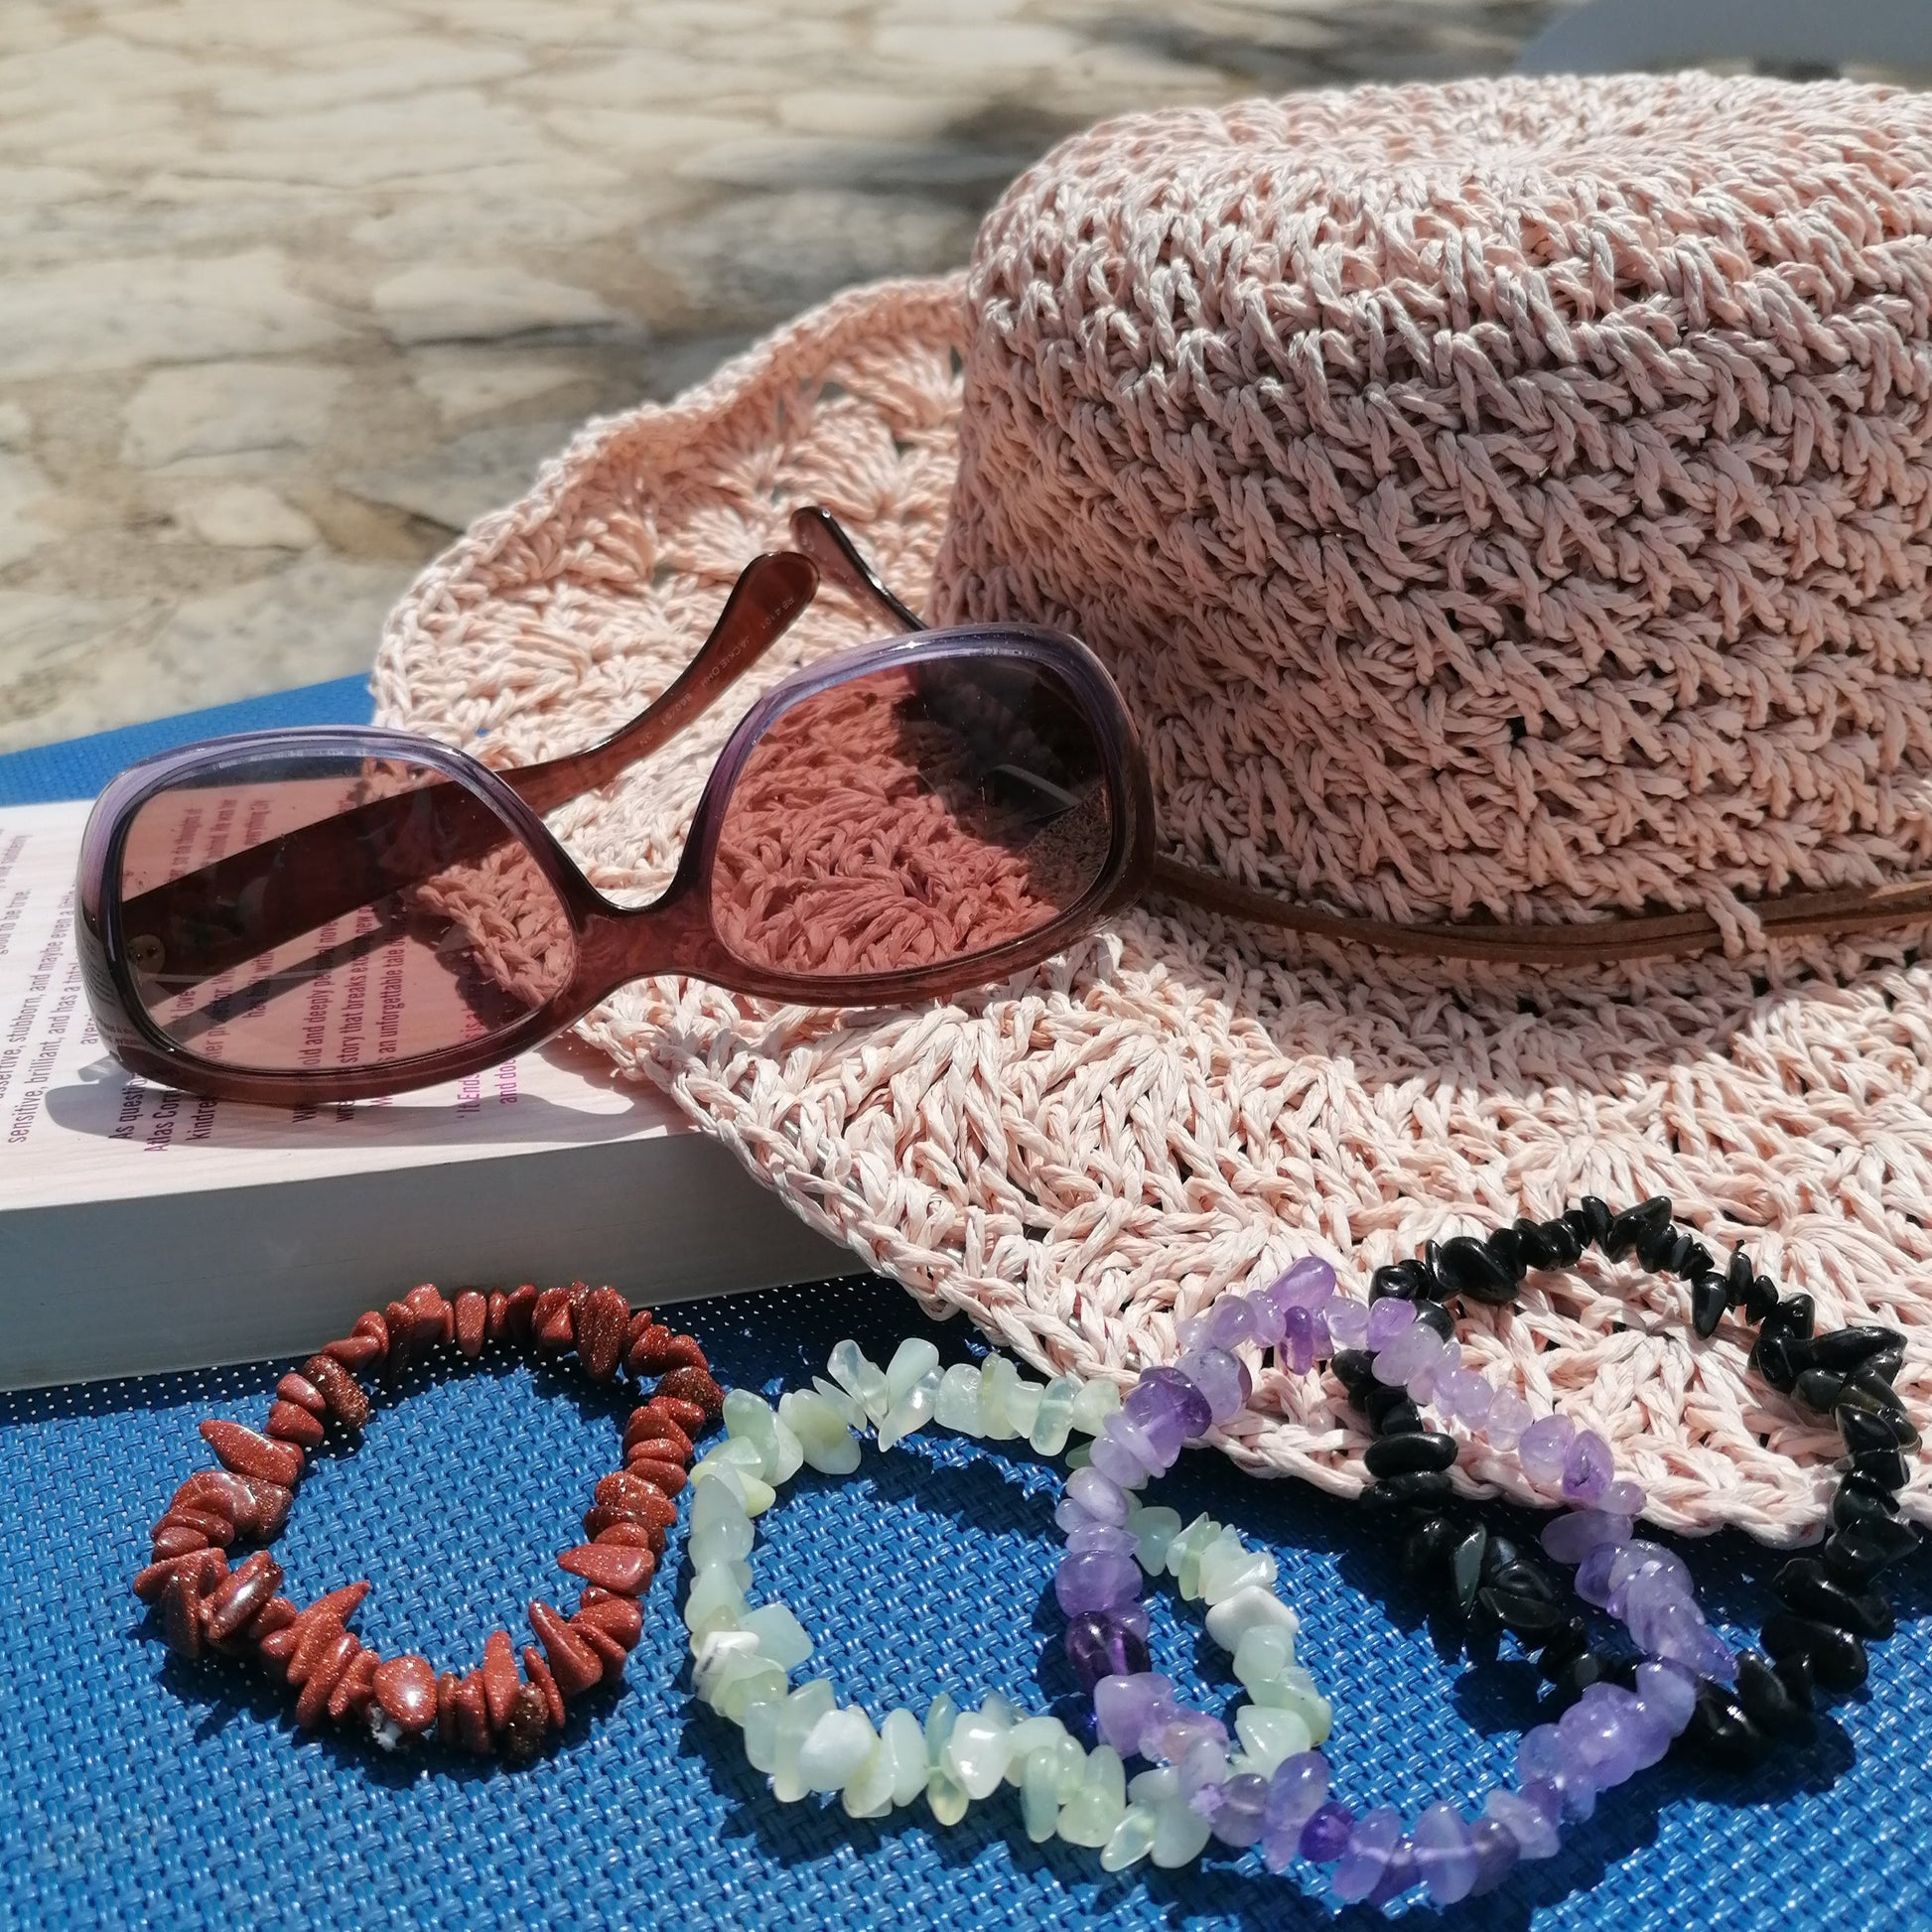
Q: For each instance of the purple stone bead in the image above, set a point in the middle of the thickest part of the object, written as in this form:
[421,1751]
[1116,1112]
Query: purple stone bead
[1387,1318]
[1543,1446]
[1444,1854]
[1639,1556]
[1174,1730]
[1592,1732]
[1100,1646]
[1571,1537]
[1466,1393]
[1588,1468]
[1668,1694]
[1093,1582]
[1153,1408]
[1116,1461]
[1542,1757]
[1399,1359]
[1132,1617]
[1325,1838]
[1310,1284]
[1230,1322]
[1623,1499]
[1102,1537]
[1298,1341]
[1204,1769]
[1544,1795]
[1123,1704]
[1509,1416]
[1238,1823]
[1496,1850]
[1649,1732]
[1535,1835]
[1103,1500]
[1297,1791]
[1592,1580]
[1400,1875]
[1347,1324]
[1270,1320]
[1191,1406]
[1221,1378]
[1359,1869]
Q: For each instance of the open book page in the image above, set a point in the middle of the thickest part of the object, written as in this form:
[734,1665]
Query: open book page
[75,1127]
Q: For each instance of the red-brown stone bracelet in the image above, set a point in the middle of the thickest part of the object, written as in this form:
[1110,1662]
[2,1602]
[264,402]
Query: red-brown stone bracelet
[203,1606]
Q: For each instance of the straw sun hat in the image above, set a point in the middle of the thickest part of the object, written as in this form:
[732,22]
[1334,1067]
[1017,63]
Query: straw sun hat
[1509,499]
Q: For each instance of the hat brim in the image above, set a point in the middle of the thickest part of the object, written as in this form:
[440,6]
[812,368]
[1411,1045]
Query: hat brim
[1082,1157]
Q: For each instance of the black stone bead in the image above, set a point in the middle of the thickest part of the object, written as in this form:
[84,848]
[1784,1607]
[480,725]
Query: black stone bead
[1405,1419]
[1819,1389]
[1466,1567]
[1406,1280]
[1634,1226]
[1884,1467]
[1437,1319]
[1722,1730]
[1762,1691]
[1466,1267]
[1423,1490]
[1794,1673]
[1598,1216]
[1401,1455]
[1838,1658]
[1862,1502]
[1868,1431]
[1770,1357]
[1806,1585]
[1564,1647]
[1505,1248]
[1534,1244]
[1526,1613]
[1857,1552]
[1738,1276]
[1707,1304]
[1656,1247]
[1355,1370]
[1379,1401]
[1577,1675]
[1844,1349]
[1582,1229]
[1882,1367]
[1565,1243]
[1695,1260]
[1870,1390]
[1793,1317]
[1762,1298]
[1499,1555]
[1425,1550]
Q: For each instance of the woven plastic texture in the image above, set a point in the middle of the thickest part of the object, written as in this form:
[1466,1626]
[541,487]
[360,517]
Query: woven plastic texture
[142,1792]
[77,768]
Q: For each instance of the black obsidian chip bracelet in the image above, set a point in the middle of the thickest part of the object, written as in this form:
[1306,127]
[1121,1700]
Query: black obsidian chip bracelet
[1817,1642]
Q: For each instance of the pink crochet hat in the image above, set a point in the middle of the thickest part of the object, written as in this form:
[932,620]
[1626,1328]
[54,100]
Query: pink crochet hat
[1507,500]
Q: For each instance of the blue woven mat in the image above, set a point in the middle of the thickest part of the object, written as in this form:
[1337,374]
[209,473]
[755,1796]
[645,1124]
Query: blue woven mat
[141,1790]
[136,1790]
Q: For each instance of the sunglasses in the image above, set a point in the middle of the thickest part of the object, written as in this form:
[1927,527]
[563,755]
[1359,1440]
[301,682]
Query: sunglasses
[299,916]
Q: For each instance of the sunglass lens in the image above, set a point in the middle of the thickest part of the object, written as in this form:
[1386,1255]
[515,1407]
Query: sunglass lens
[912,817]
[313,913]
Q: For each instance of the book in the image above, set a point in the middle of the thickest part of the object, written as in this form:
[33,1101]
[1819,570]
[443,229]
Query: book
[142,1229]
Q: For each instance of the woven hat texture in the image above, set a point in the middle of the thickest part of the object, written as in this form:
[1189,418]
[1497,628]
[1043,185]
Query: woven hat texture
[1514,496]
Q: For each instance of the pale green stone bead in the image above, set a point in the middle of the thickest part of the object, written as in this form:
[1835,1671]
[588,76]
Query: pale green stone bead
[999,1705]
[1130,1841]
[741,1682]
[1229,1620]
[957,1405]
[1039,1794]
[748,1419]
[709,1652]
[762,1723]
[912,1411]
[1154,1787]
[1185,1554]
[1093,1405]
[713,1508]
[862,1381]
[825,1441]
[754,1495]
[946,1797]
[803,1709]
[849,1412]
[726,1542]
[1180,1833]
[940,1716]
[836,1748]
[1028,1735]
[1263,1653]
[1271,1737]
[736,1568]
[1079,1457]
[977,1752]
[1091,1815]
[913,1361]
[1053,1420]
[712,1592]
[781,1636]
[868,1791]
[1228,1565]
[997,1380]
[1295,1689]
[1154,1531]
[904,1744]
[1022,1405]
[1071,1762]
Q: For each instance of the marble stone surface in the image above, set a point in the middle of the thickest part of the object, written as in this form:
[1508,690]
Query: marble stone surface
[290,292]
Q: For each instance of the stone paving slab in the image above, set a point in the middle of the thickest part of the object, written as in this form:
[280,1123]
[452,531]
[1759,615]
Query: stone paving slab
[289,292]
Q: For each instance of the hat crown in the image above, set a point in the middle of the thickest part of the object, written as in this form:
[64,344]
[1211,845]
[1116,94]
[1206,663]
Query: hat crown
[1515,496]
